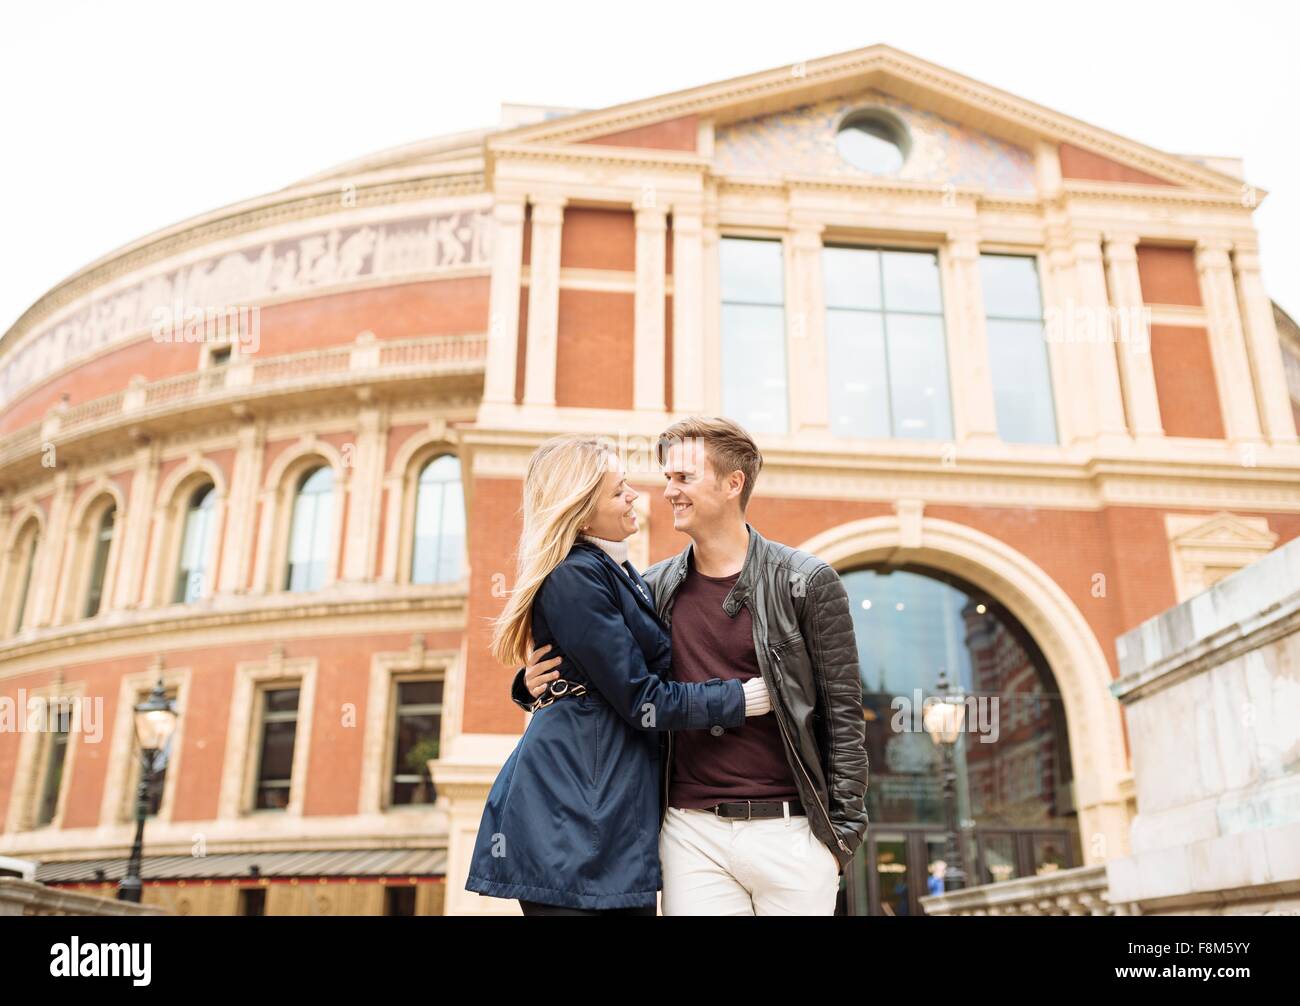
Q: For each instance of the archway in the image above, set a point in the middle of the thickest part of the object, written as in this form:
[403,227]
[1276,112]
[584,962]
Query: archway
[1052,629]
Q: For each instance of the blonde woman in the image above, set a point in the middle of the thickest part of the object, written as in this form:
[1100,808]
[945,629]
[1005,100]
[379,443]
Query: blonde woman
[571,825]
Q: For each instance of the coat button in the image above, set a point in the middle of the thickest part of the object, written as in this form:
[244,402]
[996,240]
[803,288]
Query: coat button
[716,730]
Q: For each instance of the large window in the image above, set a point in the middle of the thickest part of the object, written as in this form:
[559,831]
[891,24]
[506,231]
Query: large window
[886,355]
[310,531]
[439,523]
[99,562]
[275,761]
[754,389]
[1022,382]
[417,732]
[196,543]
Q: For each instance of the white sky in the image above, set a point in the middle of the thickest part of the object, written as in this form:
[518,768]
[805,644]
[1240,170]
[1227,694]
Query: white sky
[121,118]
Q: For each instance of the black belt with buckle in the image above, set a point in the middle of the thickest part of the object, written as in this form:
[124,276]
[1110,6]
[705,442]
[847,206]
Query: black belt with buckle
[748,810]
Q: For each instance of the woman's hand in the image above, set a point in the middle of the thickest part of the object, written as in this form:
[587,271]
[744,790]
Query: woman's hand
[537,672]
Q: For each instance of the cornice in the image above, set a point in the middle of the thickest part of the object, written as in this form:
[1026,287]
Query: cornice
[287,206]
[245,616]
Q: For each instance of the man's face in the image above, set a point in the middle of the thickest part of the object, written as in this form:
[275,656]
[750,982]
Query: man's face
[700,500]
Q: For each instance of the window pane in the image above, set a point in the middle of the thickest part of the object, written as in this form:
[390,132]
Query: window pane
[99,562]
[851,277]
[751,271]
[439,523]
[1010,284]
[1022,383]
[29,565]
[918,377]
[194,546]
[53,775]
[753,367]
[911,281]
[855,357]
[309,539]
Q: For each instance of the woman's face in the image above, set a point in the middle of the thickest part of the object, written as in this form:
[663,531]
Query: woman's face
[614,519]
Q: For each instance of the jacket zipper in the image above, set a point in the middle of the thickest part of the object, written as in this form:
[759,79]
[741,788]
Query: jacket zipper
[798,761]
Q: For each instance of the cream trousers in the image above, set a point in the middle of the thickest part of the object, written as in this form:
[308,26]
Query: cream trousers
[769,866]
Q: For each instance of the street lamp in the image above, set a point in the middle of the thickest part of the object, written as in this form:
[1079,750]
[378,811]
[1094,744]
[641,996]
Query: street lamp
[943,722]
[155,721]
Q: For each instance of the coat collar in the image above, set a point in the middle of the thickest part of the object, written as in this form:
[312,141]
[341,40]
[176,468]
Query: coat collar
[639,588]
[744,586]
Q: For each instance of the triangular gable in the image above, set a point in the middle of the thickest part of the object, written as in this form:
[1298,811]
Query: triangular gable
[1090,153]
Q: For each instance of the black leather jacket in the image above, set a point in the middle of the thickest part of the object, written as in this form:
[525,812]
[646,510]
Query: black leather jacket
[808,656]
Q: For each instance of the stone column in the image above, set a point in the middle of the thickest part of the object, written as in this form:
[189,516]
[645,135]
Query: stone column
[1133,347]
[648,340]
[1099,357]
[503,303]
[1074,417]
[688,311]
[135,541]
[974,413]
[46,589]
[250,440]
[364,484]
[1227,342]
[806,330]
[1265,350]
[543,301]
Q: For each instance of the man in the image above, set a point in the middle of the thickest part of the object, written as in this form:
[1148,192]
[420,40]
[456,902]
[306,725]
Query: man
[763,818]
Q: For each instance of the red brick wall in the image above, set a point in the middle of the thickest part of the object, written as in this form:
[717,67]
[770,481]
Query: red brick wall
[671,134]
[1168,275]
[1087,166]
[593,364]
[1185,388]
[598,239]
[333,773]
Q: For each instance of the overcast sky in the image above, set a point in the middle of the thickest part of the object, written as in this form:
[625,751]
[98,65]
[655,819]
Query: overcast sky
[121,118]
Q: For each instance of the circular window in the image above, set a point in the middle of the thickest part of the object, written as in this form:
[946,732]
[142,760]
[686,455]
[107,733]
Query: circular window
[874,141]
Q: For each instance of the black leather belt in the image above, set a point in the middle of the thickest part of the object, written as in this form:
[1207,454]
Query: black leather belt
[748,810]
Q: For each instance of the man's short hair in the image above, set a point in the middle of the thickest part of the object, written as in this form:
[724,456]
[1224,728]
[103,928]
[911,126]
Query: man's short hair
[728,446]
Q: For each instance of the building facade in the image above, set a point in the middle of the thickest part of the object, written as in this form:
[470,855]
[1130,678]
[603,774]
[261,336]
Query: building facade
[1016,377]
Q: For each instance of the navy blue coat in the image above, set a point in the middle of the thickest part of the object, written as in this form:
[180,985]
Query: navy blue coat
[573,816]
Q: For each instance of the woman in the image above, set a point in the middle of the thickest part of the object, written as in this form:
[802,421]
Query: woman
[571,824]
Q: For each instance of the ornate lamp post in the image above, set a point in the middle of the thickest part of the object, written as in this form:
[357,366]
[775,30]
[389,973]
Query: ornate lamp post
[155,721]
[943,722]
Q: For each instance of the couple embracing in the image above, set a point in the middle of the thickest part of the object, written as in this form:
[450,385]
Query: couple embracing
[696,728]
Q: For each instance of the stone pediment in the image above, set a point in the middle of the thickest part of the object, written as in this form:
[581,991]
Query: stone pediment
[969,129]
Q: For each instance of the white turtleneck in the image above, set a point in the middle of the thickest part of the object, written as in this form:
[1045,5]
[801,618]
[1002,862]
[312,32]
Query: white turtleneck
[757,700]
[616,550]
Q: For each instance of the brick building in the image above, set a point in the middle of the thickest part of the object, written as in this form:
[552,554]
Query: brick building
[1017,377]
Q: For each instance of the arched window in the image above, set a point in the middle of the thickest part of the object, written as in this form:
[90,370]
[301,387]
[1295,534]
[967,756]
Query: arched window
[99,561]
[196,539]
[23,562]
[310,530]
[439,523]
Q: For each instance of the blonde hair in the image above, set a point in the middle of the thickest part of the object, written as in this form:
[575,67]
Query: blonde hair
[561,493]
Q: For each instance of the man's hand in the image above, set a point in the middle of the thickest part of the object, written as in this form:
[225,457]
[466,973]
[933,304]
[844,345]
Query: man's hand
[538,673]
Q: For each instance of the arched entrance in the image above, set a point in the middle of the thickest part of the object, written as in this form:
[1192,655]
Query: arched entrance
[1044,793]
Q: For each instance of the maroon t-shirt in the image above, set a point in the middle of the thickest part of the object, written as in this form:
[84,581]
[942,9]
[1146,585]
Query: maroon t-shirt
[745,763]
